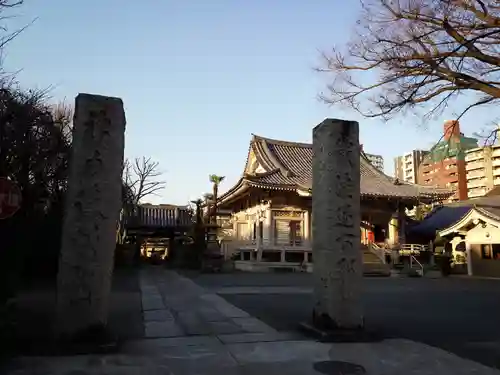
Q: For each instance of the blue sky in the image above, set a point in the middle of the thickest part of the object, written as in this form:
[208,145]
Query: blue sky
[198,77]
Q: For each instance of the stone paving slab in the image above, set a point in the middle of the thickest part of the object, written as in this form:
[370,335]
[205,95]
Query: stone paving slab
[399,356]
[263,290]
[207,355]
[258,337]
[211,314]
[157,316]
[198,356]
[152,302]
[227,327]
[221,305]
[157,345]
[259,350]
[193,324]
[168,328]
[279,351]
[87,365]
[253,325]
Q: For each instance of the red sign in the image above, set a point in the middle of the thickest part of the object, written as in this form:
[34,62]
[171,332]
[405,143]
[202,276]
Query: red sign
[10,198]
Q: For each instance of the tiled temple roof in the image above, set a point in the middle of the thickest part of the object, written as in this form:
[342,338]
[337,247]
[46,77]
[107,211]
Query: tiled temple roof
[288,166]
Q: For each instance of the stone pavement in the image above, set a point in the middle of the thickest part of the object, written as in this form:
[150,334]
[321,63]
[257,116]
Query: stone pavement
[192,331]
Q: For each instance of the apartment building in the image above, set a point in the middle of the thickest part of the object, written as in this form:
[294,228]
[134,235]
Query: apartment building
[376,160]
[406,166]
[444,166]
[483,170]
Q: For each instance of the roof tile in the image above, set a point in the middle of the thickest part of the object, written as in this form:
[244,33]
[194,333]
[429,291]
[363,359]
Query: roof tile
[292,167]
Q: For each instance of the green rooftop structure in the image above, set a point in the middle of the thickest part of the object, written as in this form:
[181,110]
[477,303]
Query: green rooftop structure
[451,148]
[444,165]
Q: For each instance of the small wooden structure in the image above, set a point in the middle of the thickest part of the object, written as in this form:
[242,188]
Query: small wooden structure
[476,239]
[140,223]
[156,218]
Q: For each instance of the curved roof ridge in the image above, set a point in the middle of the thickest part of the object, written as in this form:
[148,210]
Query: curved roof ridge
[261,174]
[281,142]
[484,210]
[247,158]
[288,165]
[286,171]
[264,142]
[424,187]
[364,158]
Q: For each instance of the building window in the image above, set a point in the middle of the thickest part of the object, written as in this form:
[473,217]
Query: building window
[495,251]
[295,233]
[288,232]
[490,251]
[242,231]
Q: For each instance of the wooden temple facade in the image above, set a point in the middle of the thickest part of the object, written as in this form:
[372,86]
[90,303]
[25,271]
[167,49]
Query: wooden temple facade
[271,203]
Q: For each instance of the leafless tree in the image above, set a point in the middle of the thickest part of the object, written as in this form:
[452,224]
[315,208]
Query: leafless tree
[141,178]
[413,54]
[62,112]
[5,16]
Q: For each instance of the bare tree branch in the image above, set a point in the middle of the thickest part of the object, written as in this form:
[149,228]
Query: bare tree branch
[409,54]
[140,178]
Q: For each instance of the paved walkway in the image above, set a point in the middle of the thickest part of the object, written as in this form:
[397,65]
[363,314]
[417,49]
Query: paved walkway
[191,331]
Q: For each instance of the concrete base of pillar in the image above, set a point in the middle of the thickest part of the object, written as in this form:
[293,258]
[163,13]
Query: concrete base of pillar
[323,329]
[360,335]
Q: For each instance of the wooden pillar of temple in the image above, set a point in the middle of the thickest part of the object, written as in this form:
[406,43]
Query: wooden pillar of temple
[267,230]
[394,230]
[401,224]
[307,226]
[397,226]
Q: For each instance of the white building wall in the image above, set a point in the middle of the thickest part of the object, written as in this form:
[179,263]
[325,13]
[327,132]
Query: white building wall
[376,160]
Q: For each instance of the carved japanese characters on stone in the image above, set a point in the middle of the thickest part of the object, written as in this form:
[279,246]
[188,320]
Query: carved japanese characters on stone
[92,209]
[336,221]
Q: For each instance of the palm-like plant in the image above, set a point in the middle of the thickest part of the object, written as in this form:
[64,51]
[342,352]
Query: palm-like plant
[198,216]
[216,181]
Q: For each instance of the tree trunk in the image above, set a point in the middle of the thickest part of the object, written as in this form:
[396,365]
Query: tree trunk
[336,219]
[214,211]
[92,210]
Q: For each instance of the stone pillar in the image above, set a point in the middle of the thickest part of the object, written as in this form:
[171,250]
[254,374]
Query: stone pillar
[92,209]
[336,221]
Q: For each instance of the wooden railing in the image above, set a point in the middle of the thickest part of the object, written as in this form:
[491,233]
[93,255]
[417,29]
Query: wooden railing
[377,250]
[254,248]
[271,244]
[156,217]
[413,249]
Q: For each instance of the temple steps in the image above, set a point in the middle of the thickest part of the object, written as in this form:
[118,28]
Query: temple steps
[373,265]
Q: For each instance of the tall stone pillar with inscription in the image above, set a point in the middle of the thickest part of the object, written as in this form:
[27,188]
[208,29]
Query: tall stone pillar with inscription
[92,210]
[336,221]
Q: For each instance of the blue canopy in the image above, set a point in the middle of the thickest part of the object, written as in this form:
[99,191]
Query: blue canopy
[441,218]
